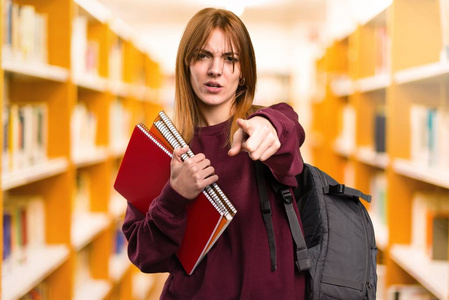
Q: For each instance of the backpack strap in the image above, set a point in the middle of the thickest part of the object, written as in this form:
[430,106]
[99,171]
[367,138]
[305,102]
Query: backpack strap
[341,189]
[265,208]
[303,261]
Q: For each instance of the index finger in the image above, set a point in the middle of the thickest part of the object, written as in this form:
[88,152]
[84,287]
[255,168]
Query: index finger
[245,125]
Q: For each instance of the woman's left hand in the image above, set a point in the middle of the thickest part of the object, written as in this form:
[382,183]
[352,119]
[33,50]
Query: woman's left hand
[257,137]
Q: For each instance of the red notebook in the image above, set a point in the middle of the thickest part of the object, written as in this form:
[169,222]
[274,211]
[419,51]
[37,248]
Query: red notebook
[144,171]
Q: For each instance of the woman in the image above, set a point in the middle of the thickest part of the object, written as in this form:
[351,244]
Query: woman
[215,85]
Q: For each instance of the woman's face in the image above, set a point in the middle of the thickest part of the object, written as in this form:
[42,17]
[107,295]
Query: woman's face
[214,76]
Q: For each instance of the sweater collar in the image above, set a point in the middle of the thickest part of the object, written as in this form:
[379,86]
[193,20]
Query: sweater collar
[214,129]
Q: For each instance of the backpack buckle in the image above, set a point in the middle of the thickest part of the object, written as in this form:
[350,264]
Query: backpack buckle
[303,261]
[287,196]
[334,189]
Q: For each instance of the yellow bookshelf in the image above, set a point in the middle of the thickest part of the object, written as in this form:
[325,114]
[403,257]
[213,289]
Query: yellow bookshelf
[1,141]
[110,89]
[392,70]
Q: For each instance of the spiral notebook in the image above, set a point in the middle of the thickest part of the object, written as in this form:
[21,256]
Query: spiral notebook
[144,171]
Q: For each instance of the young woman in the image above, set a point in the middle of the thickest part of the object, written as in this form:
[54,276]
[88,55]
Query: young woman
[214,111]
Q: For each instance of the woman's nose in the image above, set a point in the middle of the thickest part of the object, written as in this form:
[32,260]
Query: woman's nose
[216,67]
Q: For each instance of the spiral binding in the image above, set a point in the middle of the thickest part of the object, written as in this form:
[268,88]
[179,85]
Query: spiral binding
[225,199]
[175,132]
[212,196]
[168,136]
[145,130]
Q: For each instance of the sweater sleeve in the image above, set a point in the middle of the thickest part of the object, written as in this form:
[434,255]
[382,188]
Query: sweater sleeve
[287,162]
[154,238]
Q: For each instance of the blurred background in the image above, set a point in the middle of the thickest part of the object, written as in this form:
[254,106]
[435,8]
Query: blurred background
[368,79]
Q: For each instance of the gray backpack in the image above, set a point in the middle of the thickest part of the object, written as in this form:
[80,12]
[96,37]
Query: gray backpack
[337,247]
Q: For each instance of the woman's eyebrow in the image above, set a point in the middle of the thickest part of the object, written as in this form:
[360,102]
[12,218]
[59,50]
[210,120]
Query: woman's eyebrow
[230,53]
[204,51]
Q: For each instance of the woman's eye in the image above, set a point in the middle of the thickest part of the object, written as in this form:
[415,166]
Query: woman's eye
[232,59]
[202,56]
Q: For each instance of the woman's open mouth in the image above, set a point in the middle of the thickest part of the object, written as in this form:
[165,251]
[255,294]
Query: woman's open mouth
[213,87]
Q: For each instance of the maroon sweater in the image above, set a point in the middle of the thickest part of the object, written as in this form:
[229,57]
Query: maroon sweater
[238,265]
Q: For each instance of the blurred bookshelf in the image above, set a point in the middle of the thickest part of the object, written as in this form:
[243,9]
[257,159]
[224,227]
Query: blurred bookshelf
[381,112]
[73,86]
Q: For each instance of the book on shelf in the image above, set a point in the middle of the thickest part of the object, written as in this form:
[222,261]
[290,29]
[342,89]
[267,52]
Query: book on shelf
[444,9]
[5,126]
[378,190]
[429,129]
[418,134]
[144,171]
[346,137]
[7,29]
[419,222]
[116,61]
[41,291]
[382,44]
[23,228]
[92,56]
[84,51]
[81,194]
[430,229]
[379,131]
[25,136]
[119,243]
[83,129]
[78,45]
[82,273]
[7,234]
[25,33]
[438,236]
[120,122]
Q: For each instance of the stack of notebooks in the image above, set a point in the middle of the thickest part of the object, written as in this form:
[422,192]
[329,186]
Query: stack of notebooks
[144,171]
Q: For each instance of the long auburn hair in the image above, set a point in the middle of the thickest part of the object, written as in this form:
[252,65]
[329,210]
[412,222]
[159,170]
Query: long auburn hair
[196,34]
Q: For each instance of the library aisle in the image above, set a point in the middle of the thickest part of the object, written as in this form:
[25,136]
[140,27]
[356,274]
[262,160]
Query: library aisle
[68,105]
[388,81]
[74,83]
